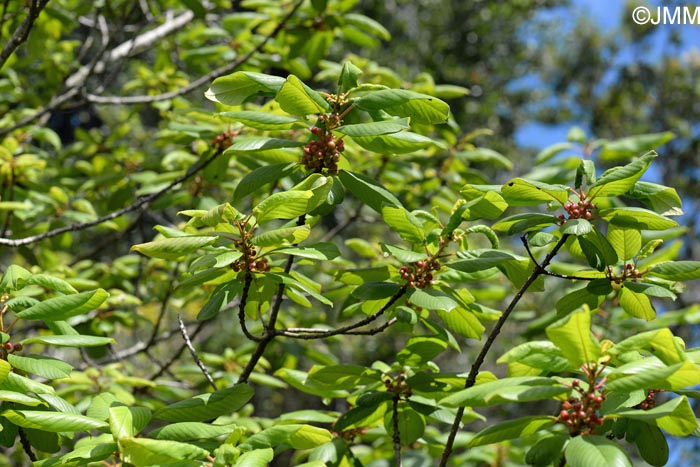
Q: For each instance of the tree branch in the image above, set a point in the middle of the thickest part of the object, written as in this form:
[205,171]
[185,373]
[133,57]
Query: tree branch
[141,202]
[193,352]
[310,333]
[479,361]
[396,435]
[222,70]
[549,273]
[22,32]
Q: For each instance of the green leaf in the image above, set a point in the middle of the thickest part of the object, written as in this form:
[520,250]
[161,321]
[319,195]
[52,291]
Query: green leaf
[404,223]
[619,180]
[144,452]
[661,343]
[463,322]
[262,120]
[376,290]
[39,365]
[321,251]
[5,369]
[16,397]
[637,218]
[652,445]
[297,98]
[173,248]
[653,373]
[587,451]
[65,306]
[343,376]
[421,108]
[363,415]
[252,145]
[551,151]
[69,341]
[543,355]
[636,304]
[395,143]
[627,242]
[576,299]
[261,177]
[404,256]
[676,416]
[223,294]
[578,227]
[485,155]
[512,429]
[284,205]
[53,422]
[13,275]
[207,406]
[585,171]
[677,270]
[127,422]
[188,431]
[368,191]
[374,128]
[349,77]
[365,23]
[257,458]
[662,199]
[234,89]
[411,424]
[515,389]
[519,192]
[50,282]
[546,450]
[432,299]
[488,206]
[275,237]
[295,435]
[524,222]
[631,146]
[574,338]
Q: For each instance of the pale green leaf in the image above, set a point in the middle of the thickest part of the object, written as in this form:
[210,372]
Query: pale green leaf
[65,306]
[173,248]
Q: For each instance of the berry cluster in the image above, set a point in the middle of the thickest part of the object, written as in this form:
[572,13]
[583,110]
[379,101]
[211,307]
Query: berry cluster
[419,274]
[581,210]
[223,140]
[350,434]
[580,413]
[249,261]
[628,272]
[11,348]
[323,153]
[649,402]
[398,385]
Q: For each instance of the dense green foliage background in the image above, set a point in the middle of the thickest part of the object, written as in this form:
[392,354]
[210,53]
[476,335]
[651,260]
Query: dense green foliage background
[170,257]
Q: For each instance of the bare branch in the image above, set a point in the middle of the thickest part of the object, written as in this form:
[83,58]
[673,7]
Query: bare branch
[193,352]
[22,32]
[396,435]
[225,69]
[140,202]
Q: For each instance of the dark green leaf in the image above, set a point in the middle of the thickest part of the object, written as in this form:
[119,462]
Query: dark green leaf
[207,406]
[420,108]
[234,89]
[587,451]
[260,177]
[65,306]
[368,191]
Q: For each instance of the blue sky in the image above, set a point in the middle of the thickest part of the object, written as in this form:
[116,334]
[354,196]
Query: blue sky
[608,14]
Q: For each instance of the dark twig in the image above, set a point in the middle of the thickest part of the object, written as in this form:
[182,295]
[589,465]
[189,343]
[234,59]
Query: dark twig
[323,333]
[22,32]
[270,332]
[193,352]
[479,361]
[26,445]
[177,354]
[549,273]
[140,202]
[241,308]
[396,435]
[222,70]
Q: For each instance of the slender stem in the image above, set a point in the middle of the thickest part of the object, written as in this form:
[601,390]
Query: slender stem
[549,273]
[177,354]
[193,352]
[22,32]
[248,281]
[395,428]
[26,445]
[321,333]
[479,361]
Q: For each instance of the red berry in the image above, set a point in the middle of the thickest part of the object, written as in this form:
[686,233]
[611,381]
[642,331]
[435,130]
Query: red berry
[564,415]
